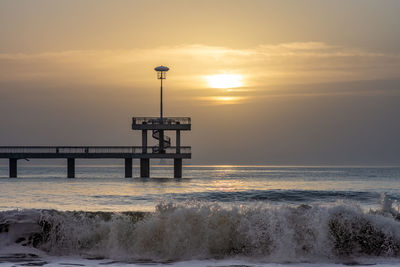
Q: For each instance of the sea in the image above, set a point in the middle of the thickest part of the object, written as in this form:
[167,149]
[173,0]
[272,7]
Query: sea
[222,215]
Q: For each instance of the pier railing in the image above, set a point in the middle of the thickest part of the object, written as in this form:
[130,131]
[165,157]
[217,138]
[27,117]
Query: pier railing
[88,149]
[158,120]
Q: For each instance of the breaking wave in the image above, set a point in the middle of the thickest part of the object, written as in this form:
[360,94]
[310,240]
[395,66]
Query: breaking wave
[198,230]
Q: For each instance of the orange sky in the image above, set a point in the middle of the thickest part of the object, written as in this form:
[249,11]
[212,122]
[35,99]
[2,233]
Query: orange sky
[317,82]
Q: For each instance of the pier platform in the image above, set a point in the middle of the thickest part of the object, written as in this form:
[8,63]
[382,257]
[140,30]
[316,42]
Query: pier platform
[156,125]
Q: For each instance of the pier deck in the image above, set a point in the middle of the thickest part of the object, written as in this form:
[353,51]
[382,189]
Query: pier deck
[92,152]
[13,153]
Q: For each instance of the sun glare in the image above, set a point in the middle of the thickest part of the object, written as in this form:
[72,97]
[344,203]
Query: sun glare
[224,81]
[226,99]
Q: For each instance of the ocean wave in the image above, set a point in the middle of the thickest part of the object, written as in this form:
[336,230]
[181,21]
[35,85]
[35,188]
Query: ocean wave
[199,230]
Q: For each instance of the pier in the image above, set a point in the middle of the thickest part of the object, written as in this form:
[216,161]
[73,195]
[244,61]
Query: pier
[144,153]
[158,126]
[71,153]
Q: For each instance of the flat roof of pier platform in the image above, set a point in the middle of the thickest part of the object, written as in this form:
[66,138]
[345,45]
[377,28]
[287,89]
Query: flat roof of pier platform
[156,123]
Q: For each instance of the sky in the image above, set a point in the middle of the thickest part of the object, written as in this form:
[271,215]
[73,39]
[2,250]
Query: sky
[265,82]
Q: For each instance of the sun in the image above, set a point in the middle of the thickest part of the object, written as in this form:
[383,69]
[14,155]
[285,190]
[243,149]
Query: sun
[225,81]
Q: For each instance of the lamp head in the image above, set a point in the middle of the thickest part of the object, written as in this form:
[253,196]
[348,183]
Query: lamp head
[161,71]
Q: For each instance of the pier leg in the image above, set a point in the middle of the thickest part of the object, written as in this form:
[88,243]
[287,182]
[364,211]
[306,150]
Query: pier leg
[144,168]
[13,168]
[178,168]
[128,167]
[161,142]
[71,168]
[178,141]
[144,141]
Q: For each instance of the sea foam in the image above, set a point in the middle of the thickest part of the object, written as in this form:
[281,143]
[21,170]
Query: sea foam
[198,230]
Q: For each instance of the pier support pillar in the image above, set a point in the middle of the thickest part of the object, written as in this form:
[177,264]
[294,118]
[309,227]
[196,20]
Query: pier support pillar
[161,142]
[144,141]
[178,168]
[71,167]
[128,167]
[13,168]
[178,141]
[144,168]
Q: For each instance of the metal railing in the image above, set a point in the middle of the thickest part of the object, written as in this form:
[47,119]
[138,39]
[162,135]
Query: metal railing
[89,149]
[158,120]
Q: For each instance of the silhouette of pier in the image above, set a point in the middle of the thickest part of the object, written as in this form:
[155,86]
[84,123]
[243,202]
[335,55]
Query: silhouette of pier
[128,153]
[157,125]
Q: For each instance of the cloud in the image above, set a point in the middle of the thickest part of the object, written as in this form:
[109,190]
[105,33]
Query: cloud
[261,66]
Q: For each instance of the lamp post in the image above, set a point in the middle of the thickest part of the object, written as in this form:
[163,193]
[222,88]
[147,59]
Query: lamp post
[161,75]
